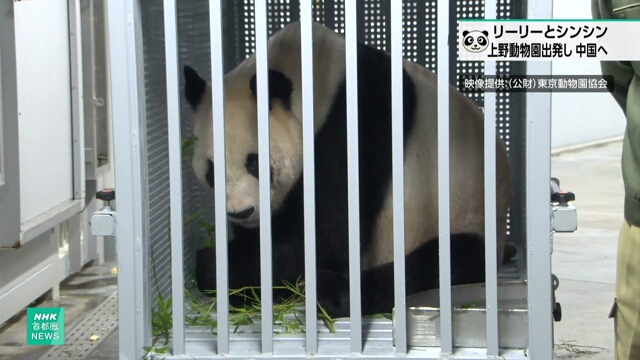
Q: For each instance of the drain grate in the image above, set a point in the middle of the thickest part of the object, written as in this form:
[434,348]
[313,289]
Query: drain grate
[78,342]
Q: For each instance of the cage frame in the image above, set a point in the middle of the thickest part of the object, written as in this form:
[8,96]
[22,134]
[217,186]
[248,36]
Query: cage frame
[127,79]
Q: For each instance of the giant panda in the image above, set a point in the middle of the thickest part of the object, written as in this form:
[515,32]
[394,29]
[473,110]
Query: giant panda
[331,194]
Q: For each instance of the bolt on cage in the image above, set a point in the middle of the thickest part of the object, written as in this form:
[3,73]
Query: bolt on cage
[145,57]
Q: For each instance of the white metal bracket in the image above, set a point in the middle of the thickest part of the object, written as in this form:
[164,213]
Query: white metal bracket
[103,221]
[564,215]
[564,218]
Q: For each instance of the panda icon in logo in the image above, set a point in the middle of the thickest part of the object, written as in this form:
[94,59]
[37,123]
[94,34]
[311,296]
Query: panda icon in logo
[475,41]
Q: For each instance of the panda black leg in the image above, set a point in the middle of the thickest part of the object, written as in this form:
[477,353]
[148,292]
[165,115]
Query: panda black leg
[206,270]
[422,271]
[244,265]
[333,293]
[244,269]
[467,259]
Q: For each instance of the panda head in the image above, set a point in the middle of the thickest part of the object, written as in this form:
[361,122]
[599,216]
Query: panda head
[241,140]
[475,41]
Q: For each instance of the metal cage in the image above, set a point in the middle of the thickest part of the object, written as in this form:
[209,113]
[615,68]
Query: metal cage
[150,40]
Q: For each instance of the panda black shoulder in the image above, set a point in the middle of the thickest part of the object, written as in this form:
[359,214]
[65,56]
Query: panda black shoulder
[375,140]
[374,149]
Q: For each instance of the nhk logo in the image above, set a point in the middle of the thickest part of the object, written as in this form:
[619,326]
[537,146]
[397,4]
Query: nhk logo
[51,317]
[45,326]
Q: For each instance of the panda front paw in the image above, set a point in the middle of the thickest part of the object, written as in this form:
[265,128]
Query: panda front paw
[206,278]
[206,271]
[333,293]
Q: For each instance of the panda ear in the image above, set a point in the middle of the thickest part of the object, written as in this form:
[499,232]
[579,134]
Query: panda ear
[465,33]
[194,87]
[280,88]
[486,33]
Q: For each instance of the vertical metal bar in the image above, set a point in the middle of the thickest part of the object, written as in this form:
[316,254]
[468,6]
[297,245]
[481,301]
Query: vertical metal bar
[400,311]
[491,264]
[266,279]
[79,252]
[175,175]
[77,93]
[9,142]
[306,50]
[89,44]
[219,158]
[351,55]
[538,170]
[2,160]
[128,132]
[446,336]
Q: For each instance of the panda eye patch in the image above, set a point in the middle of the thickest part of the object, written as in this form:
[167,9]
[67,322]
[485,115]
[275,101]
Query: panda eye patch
[482,41]
[252,167]
[252,164]
[468,40]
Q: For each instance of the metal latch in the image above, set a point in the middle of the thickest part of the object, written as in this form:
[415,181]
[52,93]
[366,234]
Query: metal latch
[564,214]
[103,221]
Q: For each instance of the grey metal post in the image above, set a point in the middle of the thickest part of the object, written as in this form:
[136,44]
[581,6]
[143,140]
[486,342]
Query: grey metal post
[491,260]
[126,79]
[220,188]
[351,62]
[400,309]
[77,102]
[10,171]
[262,85]
[443,35]
[308,139]
[175,174]
[538,170]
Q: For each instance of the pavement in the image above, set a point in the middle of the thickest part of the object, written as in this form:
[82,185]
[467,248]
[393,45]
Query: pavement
[584,262]
[80,295]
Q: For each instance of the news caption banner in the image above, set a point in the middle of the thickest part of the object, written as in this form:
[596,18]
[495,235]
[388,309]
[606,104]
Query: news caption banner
[45,326]
[545,40]
[536,83]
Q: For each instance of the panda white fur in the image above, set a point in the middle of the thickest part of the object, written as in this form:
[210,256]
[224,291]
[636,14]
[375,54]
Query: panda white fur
[374,115]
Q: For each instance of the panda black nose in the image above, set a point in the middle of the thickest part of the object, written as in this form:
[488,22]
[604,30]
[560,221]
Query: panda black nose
[242,214]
